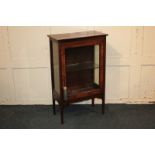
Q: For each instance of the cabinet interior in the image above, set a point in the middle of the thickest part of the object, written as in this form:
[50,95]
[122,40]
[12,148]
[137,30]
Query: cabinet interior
[82,68]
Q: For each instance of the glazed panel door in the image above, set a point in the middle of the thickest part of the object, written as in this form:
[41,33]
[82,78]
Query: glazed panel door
[83,66]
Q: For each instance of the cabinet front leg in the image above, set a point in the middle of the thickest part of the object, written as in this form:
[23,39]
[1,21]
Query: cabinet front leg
[62,113]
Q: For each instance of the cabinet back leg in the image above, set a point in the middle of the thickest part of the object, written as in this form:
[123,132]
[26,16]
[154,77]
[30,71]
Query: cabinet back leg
[103,105]
[54,111]
[93,102]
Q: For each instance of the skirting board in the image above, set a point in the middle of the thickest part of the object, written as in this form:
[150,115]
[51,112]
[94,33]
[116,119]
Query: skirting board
[97,101]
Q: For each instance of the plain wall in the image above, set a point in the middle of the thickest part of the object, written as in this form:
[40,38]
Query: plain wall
[25,66]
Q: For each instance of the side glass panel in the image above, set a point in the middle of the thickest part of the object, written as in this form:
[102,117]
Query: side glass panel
[56,67]
[82,69]
[96,61]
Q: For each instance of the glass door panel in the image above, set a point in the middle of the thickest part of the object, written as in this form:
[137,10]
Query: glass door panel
[82,69]
[56,67]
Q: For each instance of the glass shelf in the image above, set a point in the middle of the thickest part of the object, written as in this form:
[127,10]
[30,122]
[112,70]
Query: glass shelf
[81,66]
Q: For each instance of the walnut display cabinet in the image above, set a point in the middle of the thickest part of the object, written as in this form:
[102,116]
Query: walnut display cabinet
[77,68]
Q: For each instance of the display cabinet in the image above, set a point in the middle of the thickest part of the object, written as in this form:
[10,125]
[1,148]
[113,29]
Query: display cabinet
[77,68]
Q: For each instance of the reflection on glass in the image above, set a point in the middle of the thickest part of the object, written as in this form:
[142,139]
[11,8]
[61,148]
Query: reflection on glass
[82,69]
[96,60]
[56,67]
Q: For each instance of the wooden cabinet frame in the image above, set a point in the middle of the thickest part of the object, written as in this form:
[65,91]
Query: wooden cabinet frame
[90,38]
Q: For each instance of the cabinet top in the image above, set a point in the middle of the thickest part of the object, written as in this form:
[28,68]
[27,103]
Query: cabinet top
[76,35]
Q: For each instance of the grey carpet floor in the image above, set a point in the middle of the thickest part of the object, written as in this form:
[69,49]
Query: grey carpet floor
[117,116]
